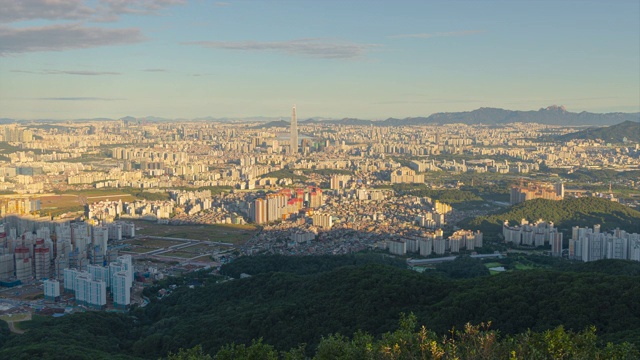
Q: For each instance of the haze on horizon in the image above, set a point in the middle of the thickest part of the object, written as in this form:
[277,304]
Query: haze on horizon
[374,60]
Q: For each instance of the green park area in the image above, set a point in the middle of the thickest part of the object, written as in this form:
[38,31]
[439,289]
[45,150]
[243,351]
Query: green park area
[520,262]
[229,233]
[56,205]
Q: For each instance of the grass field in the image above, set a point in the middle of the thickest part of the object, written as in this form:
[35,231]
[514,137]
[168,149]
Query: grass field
[60,204]
[516,265]
[520,266]
[111,197]
[492,265]
[65,203]
[235,234]
[95,192]
[15,317]
[201,250]
[205,258]
[36,321]
[154,243]
[138,250]
[180,254]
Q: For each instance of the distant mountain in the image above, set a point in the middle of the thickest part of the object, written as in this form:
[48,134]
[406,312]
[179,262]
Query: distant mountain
[272,124]
[552,115]
[238,119]
[352,121]
[615,133]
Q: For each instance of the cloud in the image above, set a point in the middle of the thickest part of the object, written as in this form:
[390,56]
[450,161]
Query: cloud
[306,47]
[62,37]
[155,70]
[435,35]
[101,10]
[20,10]
[113,8]
[67,72]
[78,99]
[431,101]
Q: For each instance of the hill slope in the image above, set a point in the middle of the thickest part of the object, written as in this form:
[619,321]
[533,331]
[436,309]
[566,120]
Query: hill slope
[288,308]
[615,133]
[566,213]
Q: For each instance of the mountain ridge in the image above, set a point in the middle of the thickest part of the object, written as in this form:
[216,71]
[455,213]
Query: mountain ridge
[551,115]
[629,130]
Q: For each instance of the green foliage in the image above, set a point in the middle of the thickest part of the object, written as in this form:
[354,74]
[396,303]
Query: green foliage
[472,342]
[285,174]
[304,265]
[328,172]
[93,335]
[463,267]
[584,211]
[151,196]
[613,134]
[292,302]
[256,351]
[449,196]
[194,353]
[7,148]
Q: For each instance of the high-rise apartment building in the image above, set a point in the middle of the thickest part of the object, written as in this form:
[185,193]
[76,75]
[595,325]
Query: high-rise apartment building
[121,290]
[51,290]
[294,131]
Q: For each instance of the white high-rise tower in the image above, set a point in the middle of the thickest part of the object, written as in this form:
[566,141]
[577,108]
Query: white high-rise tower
[294,131]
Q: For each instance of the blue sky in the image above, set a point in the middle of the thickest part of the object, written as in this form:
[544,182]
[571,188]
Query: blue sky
[365,59]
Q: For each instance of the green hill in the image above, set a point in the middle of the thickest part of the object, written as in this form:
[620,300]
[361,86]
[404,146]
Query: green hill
[614,134]
[585,211]
[300,306]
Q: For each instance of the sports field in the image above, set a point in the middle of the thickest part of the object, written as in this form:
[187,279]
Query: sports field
[235,234]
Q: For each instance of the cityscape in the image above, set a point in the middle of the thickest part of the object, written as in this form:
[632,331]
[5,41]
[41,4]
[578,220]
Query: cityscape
[285,210]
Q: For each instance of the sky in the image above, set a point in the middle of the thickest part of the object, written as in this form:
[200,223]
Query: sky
[70,59]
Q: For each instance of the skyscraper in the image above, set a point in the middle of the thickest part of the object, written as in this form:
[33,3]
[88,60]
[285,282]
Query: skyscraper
[294,131]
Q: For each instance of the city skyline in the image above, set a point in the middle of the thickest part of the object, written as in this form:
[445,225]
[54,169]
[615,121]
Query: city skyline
[188,59]
[294,131]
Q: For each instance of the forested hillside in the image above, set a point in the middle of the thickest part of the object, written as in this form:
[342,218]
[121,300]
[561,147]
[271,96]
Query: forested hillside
[300,306]
[584,211]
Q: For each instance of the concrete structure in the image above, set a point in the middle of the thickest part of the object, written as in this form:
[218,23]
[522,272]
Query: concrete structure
[588,245]
[397,247]
[556,244]
[294,132]
[51,290]
[121,290]
[536,190]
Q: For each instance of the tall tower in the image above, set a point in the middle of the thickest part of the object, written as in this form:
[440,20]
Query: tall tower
[294,131]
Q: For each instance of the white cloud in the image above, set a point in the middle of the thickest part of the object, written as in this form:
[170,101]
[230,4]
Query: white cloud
[88,10]
[140,7]
[62,37]
[306,47]
[438,34]
[20,10]
[67,72]
[79,99]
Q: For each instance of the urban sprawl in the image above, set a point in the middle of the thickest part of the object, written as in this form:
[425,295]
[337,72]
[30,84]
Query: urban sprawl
[80,200]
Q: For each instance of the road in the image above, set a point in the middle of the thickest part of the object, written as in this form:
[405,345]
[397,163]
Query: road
[12,325]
